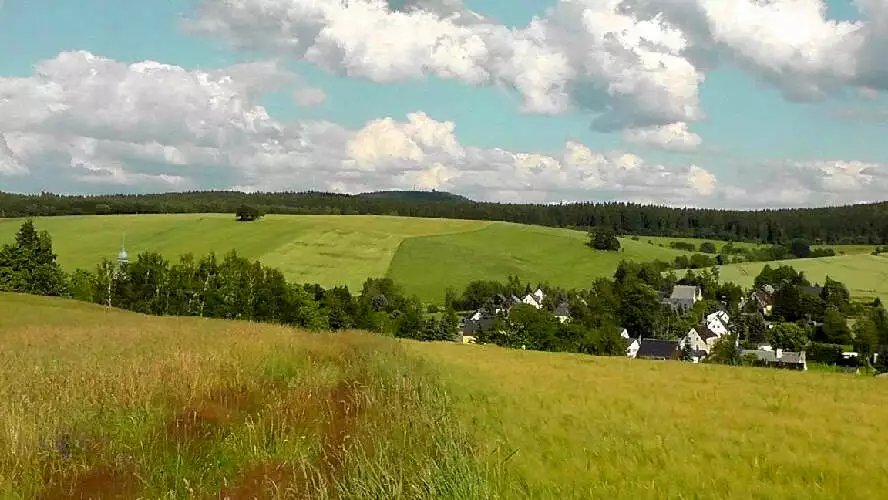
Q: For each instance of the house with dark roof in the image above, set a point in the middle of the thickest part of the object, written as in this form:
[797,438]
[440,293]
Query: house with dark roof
[813,291]
[778,358]
[471,325]
[658,349]
[562,312]
[684,297]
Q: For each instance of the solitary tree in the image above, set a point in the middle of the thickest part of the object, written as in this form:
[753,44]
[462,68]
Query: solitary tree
[604,239]
[247,213]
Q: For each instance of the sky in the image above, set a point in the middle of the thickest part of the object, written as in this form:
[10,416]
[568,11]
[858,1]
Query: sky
[700,103]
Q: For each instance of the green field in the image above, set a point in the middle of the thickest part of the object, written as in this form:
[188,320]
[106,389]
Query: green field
[109,404]
[866,276]
[534,253]
[840,249]
[424,255]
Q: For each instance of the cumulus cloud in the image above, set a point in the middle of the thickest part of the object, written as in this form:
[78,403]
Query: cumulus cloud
[630,63]
[581,54]
[89,124]
[672,137]
[92,123]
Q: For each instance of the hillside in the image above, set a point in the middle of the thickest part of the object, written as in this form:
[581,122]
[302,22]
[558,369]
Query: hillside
[103,403]
[851,224]
[415,196]
[423,255]
[429,264]
[574,426]
[866,276]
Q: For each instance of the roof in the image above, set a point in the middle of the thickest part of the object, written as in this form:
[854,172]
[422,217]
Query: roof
[792,357]
[788,357]
[688,292]
[705,333]
[655,348]
[471,326]
[562,310]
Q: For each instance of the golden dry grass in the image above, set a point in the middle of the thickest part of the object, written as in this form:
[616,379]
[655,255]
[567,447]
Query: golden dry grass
[104,403]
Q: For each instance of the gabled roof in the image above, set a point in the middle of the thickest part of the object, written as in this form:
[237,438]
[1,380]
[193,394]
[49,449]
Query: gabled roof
[705,333]
[471,326]
[688,292]
[655,348]
[562,310]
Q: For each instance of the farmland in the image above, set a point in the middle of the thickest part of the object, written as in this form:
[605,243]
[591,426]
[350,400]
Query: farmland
[866,276]
[97,402]
[423,255]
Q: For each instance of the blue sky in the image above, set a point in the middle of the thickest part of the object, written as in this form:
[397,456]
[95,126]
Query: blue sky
[747,121]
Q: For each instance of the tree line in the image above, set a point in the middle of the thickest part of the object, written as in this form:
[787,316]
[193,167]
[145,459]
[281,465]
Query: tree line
[232,287]
[851,224]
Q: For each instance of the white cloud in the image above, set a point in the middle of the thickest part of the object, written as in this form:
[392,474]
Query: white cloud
[88,124]
[581,54]
[672,137]
[309,96]
[631,63]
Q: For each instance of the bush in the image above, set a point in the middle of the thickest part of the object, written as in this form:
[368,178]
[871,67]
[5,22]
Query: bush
[830,354]
[432,309]
[708,247]
[247,213]
[683,245]
[604,239]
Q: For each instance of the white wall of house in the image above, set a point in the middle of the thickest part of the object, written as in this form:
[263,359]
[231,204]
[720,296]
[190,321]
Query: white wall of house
[563,319]
[693,339]
[530,300]
[632,350]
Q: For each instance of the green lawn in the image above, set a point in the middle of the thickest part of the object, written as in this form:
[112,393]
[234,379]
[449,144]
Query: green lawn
[866,276]
[575,426]
[428,265]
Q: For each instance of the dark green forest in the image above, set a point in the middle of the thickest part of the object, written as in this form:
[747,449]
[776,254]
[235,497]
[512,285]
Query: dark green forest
[860,224]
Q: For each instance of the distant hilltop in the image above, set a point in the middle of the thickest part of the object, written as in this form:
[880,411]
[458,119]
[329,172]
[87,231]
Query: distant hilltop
[432,195]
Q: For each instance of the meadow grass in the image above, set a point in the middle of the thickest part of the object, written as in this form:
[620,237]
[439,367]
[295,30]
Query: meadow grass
[866,276]
[575,426]
[839,249]
[98,403]
[428,265]
[330,250]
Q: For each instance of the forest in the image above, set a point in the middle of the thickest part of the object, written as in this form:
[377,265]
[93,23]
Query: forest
[851,224]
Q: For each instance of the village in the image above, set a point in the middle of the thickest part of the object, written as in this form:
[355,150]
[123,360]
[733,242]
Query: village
[694,346]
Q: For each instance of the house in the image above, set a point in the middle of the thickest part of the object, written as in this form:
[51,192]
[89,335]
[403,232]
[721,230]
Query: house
[720,315]
[778,358]
[531,300]
[539,295]
[562,312]
[634,344]
[657,349]
[716,325]
[694,340]
[764,301]
[684,297]
[473,324]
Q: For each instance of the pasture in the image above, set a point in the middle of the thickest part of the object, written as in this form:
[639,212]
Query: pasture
[575,426]
[424,255]
[866,276]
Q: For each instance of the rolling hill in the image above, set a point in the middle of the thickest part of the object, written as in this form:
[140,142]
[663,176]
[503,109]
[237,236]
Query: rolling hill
[424,255]
[866,276]
[109,404]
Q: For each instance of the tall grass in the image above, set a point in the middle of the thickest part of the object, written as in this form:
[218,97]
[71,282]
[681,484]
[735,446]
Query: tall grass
[572,426]
[112,404]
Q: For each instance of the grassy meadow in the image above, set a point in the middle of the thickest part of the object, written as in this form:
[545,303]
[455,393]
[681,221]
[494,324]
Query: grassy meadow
[575,426]
[423,255]
[428,265]
[99,403]
[866,276]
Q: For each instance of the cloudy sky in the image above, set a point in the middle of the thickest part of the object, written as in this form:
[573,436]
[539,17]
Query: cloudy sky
[712,103]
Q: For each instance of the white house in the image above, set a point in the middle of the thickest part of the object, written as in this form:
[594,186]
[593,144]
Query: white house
[694,340]
[539,295]
[562,312]
[634,344]
[720,315]
[531,300]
